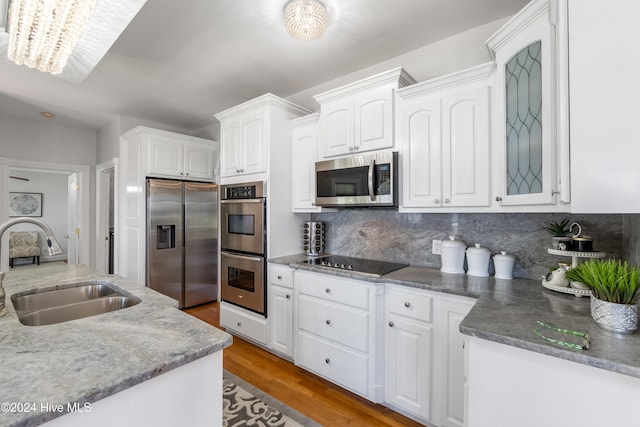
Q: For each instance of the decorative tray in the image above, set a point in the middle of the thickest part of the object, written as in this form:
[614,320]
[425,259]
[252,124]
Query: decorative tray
[591,254]
[567,289]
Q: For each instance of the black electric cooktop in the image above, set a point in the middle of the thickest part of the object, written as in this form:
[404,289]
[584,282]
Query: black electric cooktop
[365,267]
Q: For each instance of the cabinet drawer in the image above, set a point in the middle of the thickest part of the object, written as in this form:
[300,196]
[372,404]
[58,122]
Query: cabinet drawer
[335,322]
[409,303]
[281,275]
[247,324]
[334,289]
[339,365]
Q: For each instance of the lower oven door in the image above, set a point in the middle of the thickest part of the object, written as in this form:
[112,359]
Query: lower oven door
[243,281]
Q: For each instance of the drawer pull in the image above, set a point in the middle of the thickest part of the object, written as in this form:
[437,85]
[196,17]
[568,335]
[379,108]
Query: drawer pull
[391,324]
[239,324]
[279,277]
[328,322]
[407,304]
[288,296]
[328,290]
[327,360]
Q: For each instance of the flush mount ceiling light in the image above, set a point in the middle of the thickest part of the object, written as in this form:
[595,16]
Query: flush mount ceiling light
[43,33]
[305,19]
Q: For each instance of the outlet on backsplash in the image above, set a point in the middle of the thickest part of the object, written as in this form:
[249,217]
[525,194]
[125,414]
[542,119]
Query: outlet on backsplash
[435,247]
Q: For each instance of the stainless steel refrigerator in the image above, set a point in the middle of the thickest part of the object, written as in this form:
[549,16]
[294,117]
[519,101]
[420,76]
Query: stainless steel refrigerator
[182,242]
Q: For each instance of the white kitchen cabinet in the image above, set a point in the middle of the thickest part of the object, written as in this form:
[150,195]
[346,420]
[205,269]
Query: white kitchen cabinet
[531,119]
[451,401]
[250,135]
[304,153]
[604,103]
[280,308]
[444,130]
[338,323]
[409,351]
[359,116]
[173,157]
[239,321]
[244,142]
[425,354]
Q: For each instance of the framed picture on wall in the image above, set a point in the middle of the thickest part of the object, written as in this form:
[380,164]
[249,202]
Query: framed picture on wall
[25,204]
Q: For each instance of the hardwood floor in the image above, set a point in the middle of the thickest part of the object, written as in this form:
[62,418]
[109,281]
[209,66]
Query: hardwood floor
[309,394]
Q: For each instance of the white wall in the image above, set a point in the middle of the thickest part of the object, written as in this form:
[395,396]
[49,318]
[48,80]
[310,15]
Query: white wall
[53,187]
[448,55]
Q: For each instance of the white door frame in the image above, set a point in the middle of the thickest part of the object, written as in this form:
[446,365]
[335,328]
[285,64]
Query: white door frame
[102,214]
[83,205]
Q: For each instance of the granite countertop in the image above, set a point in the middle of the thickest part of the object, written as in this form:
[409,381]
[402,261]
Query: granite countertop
[507,311]
[88,359]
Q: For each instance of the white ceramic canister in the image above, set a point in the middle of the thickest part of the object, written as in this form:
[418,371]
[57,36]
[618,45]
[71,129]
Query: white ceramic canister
[478,260]
[452,254]
[503,264]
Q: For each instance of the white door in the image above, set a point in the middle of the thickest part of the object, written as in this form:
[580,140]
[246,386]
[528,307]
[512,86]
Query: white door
[73,223]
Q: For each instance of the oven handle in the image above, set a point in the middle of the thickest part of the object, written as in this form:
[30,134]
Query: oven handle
[370,179]
[243,257]
[261,200]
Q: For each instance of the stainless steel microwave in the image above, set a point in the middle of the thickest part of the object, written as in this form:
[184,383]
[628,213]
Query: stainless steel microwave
[363,180]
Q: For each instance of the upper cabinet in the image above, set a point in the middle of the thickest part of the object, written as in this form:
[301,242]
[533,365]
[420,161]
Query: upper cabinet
[247,133]
[443,130]
[304,153]
[359,116]
[605,101]
[178,157]
[531,140]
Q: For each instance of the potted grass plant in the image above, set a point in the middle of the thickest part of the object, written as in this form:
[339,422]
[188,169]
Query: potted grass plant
[559,231]
[615,287]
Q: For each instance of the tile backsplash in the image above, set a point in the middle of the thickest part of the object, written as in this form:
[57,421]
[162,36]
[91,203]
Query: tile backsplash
[403,237]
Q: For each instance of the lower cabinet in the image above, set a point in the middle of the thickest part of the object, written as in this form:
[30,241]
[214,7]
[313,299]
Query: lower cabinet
[425,373]
[280,310]
[338,331]
[243,322]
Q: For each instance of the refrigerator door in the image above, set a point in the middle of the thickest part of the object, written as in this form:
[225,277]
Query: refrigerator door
[165,237]
[201,243]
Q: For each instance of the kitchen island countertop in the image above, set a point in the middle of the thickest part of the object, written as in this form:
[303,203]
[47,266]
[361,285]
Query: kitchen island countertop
[507,311]
[88,359]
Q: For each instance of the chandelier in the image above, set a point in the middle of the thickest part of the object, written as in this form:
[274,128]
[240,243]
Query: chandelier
[305,19]
[43,33]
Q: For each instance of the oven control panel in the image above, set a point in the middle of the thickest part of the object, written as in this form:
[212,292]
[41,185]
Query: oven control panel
[249,190]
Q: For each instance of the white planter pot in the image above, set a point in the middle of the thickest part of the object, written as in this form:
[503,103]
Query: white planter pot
[619,318]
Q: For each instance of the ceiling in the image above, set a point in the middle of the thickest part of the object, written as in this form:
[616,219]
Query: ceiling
[178,63]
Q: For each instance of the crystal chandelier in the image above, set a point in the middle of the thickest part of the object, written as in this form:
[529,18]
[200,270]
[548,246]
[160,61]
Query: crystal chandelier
[305,19]
[43,33]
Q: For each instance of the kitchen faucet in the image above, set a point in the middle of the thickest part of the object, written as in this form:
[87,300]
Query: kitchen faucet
[52,245]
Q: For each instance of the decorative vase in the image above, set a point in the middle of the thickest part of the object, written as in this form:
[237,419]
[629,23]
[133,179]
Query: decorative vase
[614,317]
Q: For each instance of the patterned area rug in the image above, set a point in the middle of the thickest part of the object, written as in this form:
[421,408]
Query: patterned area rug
[246,405]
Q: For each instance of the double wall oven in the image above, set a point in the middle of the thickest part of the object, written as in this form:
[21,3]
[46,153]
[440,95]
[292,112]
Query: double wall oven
[243,243]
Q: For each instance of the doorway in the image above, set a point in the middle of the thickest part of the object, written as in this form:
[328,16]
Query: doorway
[63,195]
[105,216]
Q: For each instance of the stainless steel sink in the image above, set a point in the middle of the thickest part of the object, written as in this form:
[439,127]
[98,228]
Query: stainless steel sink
[74,301]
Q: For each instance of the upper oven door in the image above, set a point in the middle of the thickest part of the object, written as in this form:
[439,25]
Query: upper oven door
[242,225]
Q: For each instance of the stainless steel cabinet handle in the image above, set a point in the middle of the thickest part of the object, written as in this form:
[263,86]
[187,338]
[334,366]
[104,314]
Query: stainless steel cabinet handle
[327,360]
[554,192]
[355,147]
[279,277]
[350,148]
[288,296]
[239,323]
[447,200]
[407,304]
[391,324]
[327,290]
[328,322]
[436,201]
[498,199]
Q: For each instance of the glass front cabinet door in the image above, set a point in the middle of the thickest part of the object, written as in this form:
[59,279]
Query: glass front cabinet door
[529,147]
